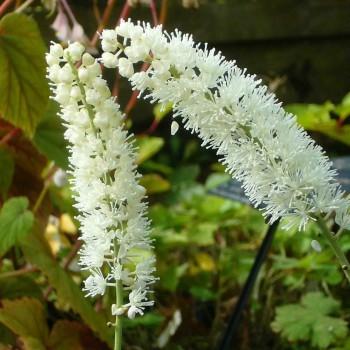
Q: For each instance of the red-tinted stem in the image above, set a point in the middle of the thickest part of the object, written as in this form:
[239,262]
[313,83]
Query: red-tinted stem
[163,12]
[12,133]
[154,13]
[4,6]
[105,18]
[125,12]
[133,99]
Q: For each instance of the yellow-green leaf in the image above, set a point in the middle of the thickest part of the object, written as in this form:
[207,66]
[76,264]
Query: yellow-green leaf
[26,317]
[160,110]
[147,147]
[154,183]
[36,250]
[15,222]
[23,86]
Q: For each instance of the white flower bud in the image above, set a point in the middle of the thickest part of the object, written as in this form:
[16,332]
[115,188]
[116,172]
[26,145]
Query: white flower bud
[174,127]
[109,60]
[60,178]
[75,51]
[75,93]
[126,68]
[94,70]
[117,311]
[54,73]
[316,246]
[56,50]
[83,74]
[88,59]
[51,60]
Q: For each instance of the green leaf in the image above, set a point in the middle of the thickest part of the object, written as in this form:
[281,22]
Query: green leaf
[170,277]
[65,336]
[150,320]
[16,221]
[316,301]
[147,147]
[317,118]
[216,179]
[26,317]
[202,234]
[310,116]
[16,287]
[185,173]
[160,110]
[310,322]
[204,294]
[36,250]
[6,337]
[326,329]
[24,92]
[154,183]
[7,170]
[49,138]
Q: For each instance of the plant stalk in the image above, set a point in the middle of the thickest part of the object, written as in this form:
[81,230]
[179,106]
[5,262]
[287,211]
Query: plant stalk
[118,319]
[334,244]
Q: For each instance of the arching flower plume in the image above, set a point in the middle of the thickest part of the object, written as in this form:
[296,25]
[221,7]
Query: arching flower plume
[279,165]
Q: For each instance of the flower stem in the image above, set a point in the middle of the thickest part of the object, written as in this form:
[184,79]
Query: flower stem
[24,6]
[118,319]
[9,136]
[4,6]
[105,18]
[333,242]
[41,196]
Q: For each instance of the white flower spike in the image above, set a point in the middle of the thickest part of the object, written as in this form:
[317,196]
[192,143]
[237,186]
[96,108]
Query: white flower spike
[104,177]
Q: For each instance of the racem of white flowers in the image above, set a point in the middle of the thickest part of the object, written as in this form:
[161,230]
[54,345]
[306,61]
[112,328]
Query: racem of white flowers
[104,177]
[279,165]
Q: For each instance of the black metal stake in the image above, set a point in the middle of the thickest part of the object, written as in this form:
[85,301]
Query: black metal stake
[248,286]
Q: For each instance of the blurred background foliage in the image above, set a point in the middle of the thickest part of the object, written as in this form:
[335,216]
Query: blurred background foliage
[205,245]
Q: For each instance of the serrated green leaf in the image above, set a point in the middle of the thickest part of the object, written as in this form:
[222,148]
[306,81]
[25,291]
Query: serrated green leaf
[316,301]
[7,170]
[310,322]
[24,92]
[49,139]
[287,322]
[36,250]
[326,330]
[26,317]
[147,147]
[154,183]
[16,221]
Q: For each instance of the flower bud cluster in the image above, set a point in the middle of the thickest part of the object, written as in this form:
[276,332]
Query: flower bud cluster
[108,196]
[279,165]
